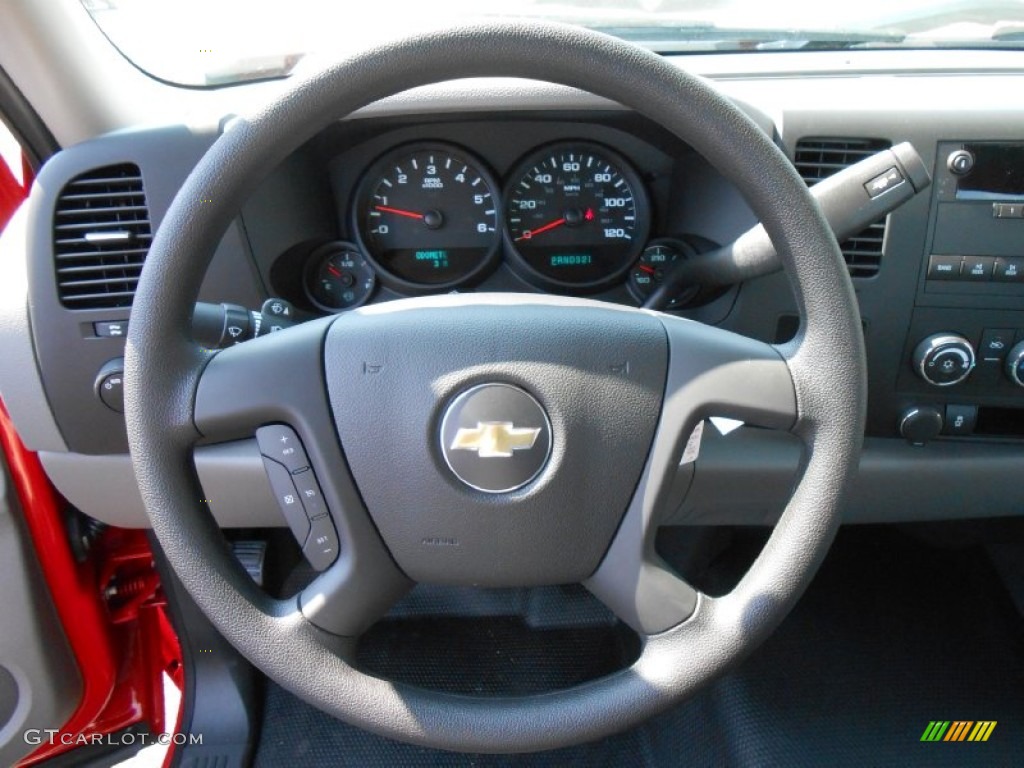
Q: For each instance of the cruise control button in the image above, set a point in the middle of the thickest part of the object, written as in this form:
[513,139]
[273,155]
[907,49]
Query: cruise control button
[1009,271]
[944,267]
[288,499]
[883,182]
[322,545]
[281,444]
[978,268]
[310,494]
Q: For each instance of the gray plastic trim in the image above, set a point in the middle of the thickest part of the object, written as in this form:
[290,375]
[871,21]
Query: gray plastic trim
[231,474]
[896,483]
[67,353]
[21,385]
[33,650]
[745,478]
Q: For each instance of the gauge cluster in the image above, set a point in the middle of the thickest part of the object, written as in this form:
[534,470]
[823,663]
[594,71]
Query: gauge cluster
[572,216]
[375,210]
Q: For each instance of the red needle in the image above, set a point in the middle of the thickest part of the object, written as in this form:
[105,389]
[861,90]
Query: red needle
[530,233]
[648,270]
[333,270]
[399,212]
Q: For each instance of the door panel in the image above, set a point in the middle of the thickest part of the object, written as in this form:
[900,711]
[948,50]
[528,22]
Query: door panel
[40,685]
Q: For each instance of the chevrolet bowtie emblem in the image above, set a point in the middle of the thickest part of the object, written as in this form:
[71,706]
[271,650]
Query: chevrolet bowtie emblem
[494,439]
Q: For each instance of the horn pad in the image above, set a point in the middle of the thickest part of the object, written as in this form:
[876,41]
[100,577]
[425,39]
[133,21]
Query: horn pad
[493,444]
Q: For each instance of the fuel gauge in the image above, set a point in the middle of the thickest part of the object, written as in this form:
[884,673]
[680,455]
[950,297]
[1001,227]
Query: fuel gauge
[339,277]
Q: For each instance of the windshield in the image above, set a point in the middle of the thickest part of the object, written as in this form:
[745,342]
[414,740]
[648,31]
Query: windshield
[216,42]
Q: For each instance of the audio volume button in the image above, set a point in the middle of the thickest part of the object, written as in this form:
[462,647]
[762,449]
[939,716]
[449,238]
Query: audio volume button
[944,359]
[280,443]
[960,162]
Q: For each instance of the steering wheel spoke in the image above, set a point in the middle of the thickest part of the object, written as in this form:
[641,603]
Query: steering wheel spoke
[711,373]
[274,387]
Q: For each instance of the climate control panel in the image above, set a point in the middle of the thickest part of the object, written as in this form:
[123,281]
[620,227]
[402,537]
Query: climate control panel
[948,358]
[964,380]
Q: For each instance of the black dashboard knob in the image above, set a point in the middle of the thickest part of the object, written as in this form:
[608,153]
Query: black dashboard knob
[1015,364]
[944,359]
[960,162]
[921,424]
[109,384]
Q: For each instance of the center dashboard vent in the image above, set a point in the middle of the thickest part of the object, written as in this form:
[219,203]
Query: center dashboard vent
[818,158]
[101,235]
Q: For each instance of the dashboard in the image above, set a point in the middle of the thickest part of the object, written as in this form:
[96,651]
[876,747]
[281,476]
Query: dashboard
[527,187]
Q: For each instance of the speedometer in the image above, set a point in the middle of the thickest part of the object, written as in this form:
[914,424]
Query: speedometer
[576,216]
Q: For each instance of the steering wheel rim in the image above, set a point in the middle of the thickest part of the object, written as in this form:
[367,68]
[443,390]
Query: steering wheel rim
[824,369]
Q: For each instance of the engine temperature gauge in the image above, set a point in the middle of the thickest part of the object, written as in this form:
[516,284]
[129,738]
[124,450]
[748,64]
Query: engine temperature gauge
[652,265]
[339,277]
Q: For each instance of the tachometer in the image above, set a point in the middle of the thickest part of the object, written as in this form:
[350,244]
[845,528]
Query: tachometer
[427,217]
[576,216]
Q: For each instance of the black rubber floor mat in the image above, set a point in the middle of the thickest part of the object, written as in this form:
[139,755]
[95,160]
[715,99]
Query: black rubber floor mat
[892,635]
[496,657]
[297,736]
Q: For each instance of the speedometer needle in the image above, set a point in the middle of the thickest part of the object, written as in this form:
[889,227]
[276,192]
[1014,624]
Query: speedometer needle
[398,212]
[530,233]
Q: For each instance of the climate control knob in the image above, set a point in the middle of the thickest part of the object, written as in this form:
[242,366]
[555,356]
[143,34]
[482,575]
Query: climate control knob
[944,359]
[1015,364]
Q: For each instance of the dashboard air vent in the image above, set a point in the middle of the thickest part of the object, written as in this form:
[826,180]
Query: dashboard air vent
[817,159]
[101,235]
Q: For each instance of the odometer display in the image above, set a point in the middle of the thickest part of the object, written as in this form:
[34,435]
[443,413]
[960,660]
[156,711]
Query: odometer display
[427,217]
[576,215]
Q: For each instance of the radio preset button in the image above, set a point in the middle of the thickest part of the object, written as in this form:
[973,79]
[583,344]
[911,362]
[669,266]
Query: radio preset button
[978,268]
[1009,270]
[1008,210]
[944,267]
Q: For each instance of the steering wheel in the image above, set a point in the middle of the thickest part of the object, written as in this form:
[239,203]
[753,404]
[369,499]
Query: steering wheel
[605,396]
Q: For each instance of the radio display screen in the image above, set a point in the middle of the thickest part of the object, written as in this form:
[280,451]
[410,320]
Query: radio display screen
[998,173]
